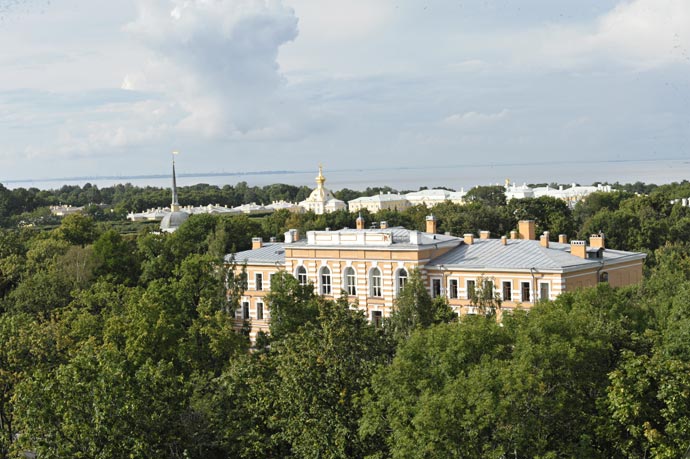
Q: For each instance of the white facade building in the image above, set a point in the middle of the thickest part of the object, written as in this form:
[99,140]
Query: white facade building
[321,200]
[430,198]
[571,195]
[391,201]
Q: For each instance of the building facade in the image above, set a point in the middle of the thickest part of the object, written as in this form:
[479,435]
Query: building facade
[321,200]
[370,266]
[571,195]
[387,201]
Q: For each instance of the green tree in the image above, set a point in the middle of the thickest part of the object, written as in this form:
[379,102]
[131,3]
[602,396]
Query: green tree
[485,297]
[322,370]
[96,405]
[414,308]
[493,195]
[292,305]
[78,229]
[116,257]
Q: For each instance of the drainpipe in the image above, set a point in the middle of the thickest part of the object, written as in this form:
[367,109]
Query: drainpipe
[601,266]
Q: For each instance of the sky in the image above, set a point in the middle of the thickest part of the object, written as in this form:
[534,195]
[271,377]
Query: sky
[98,88]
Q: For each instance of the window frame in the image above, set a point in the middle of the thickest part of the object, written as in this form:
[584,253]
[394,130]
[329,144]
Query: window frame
[509,285]
[522,292]
[258,282]
[375,282]
[541,290]
[325,281]
[401,280]
[470,288]
[350,280]
[377,318]
[453,289]
[436,281]
[301,272]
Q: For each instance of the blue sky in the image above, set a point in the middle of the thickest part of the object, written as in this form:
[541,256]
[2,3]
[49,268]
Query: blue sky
[101,87]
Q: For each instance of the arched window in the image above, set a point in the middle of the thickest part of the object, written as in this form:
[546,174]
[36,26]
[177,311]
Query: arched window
[301,275]
[350,281]
[325,277]
[400,280]
[604,277]
[375,283]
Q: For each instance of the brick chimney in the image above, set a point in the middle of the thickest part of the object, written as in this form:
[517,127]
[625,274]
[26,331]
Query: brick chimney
[484,234]
[513,234]
[563,238]
[468,238]
[257,243]
[578,248]
[360,222]
[597,240]
[527,230]
[383,225]
[504,240]
[544,240]
[431,224]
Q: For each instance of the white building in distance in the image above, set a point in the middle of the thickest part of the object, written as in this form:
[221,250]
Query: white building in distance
[321,200]
[571,195]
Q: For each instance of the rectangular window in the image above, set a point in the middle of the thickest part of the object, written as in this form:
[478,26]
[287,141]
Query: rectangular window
[270,280]
[376,318]
[453,288]
[507,291]
[471,286]
[376,286]
[435,288]
[544,291]
[351,282]
[245,310]
[259,281]
[302,275]
[326,283]
[524,289]
[260,311]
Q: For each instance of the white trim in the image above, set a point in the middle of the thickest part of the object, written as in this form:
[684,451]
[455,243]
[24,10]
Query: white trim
[550,289]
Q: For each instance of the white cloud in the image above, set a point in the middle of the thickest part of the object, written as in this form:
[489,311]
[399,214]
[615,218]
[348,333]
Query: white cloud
[641,34]
[652,32]
[339,20]
[216,58]
[475,119]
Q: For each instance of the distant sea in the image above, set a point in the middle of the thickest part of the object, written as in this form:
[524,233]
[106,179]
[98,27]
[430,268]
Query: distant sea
[410,178]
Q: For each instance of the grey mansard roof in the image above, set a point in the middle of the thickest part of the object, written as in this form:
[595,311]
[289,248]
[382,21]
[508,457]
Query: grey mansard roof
[271,253]
[402,239]
[482,255]
[520,254]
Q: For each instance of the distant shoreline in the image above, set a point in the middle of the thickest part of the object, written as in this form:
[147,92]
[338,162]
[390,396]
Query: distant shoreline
[406,177]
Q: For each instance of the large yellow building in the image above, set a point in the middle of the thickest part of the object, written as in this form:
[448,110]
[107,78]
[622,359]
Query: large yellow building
[370,266]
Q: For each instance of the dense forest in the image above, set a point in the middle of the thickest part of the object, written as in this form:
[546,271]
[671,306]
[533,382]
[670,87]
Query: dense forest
[123,345]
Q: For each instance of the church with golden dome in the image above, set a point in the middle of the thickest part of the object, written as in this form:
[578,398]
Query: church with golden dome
[321,200]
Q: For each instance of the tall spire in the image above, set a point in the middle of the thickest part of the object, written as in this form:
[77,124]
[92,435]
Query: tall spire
[174,206]
[320,179]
